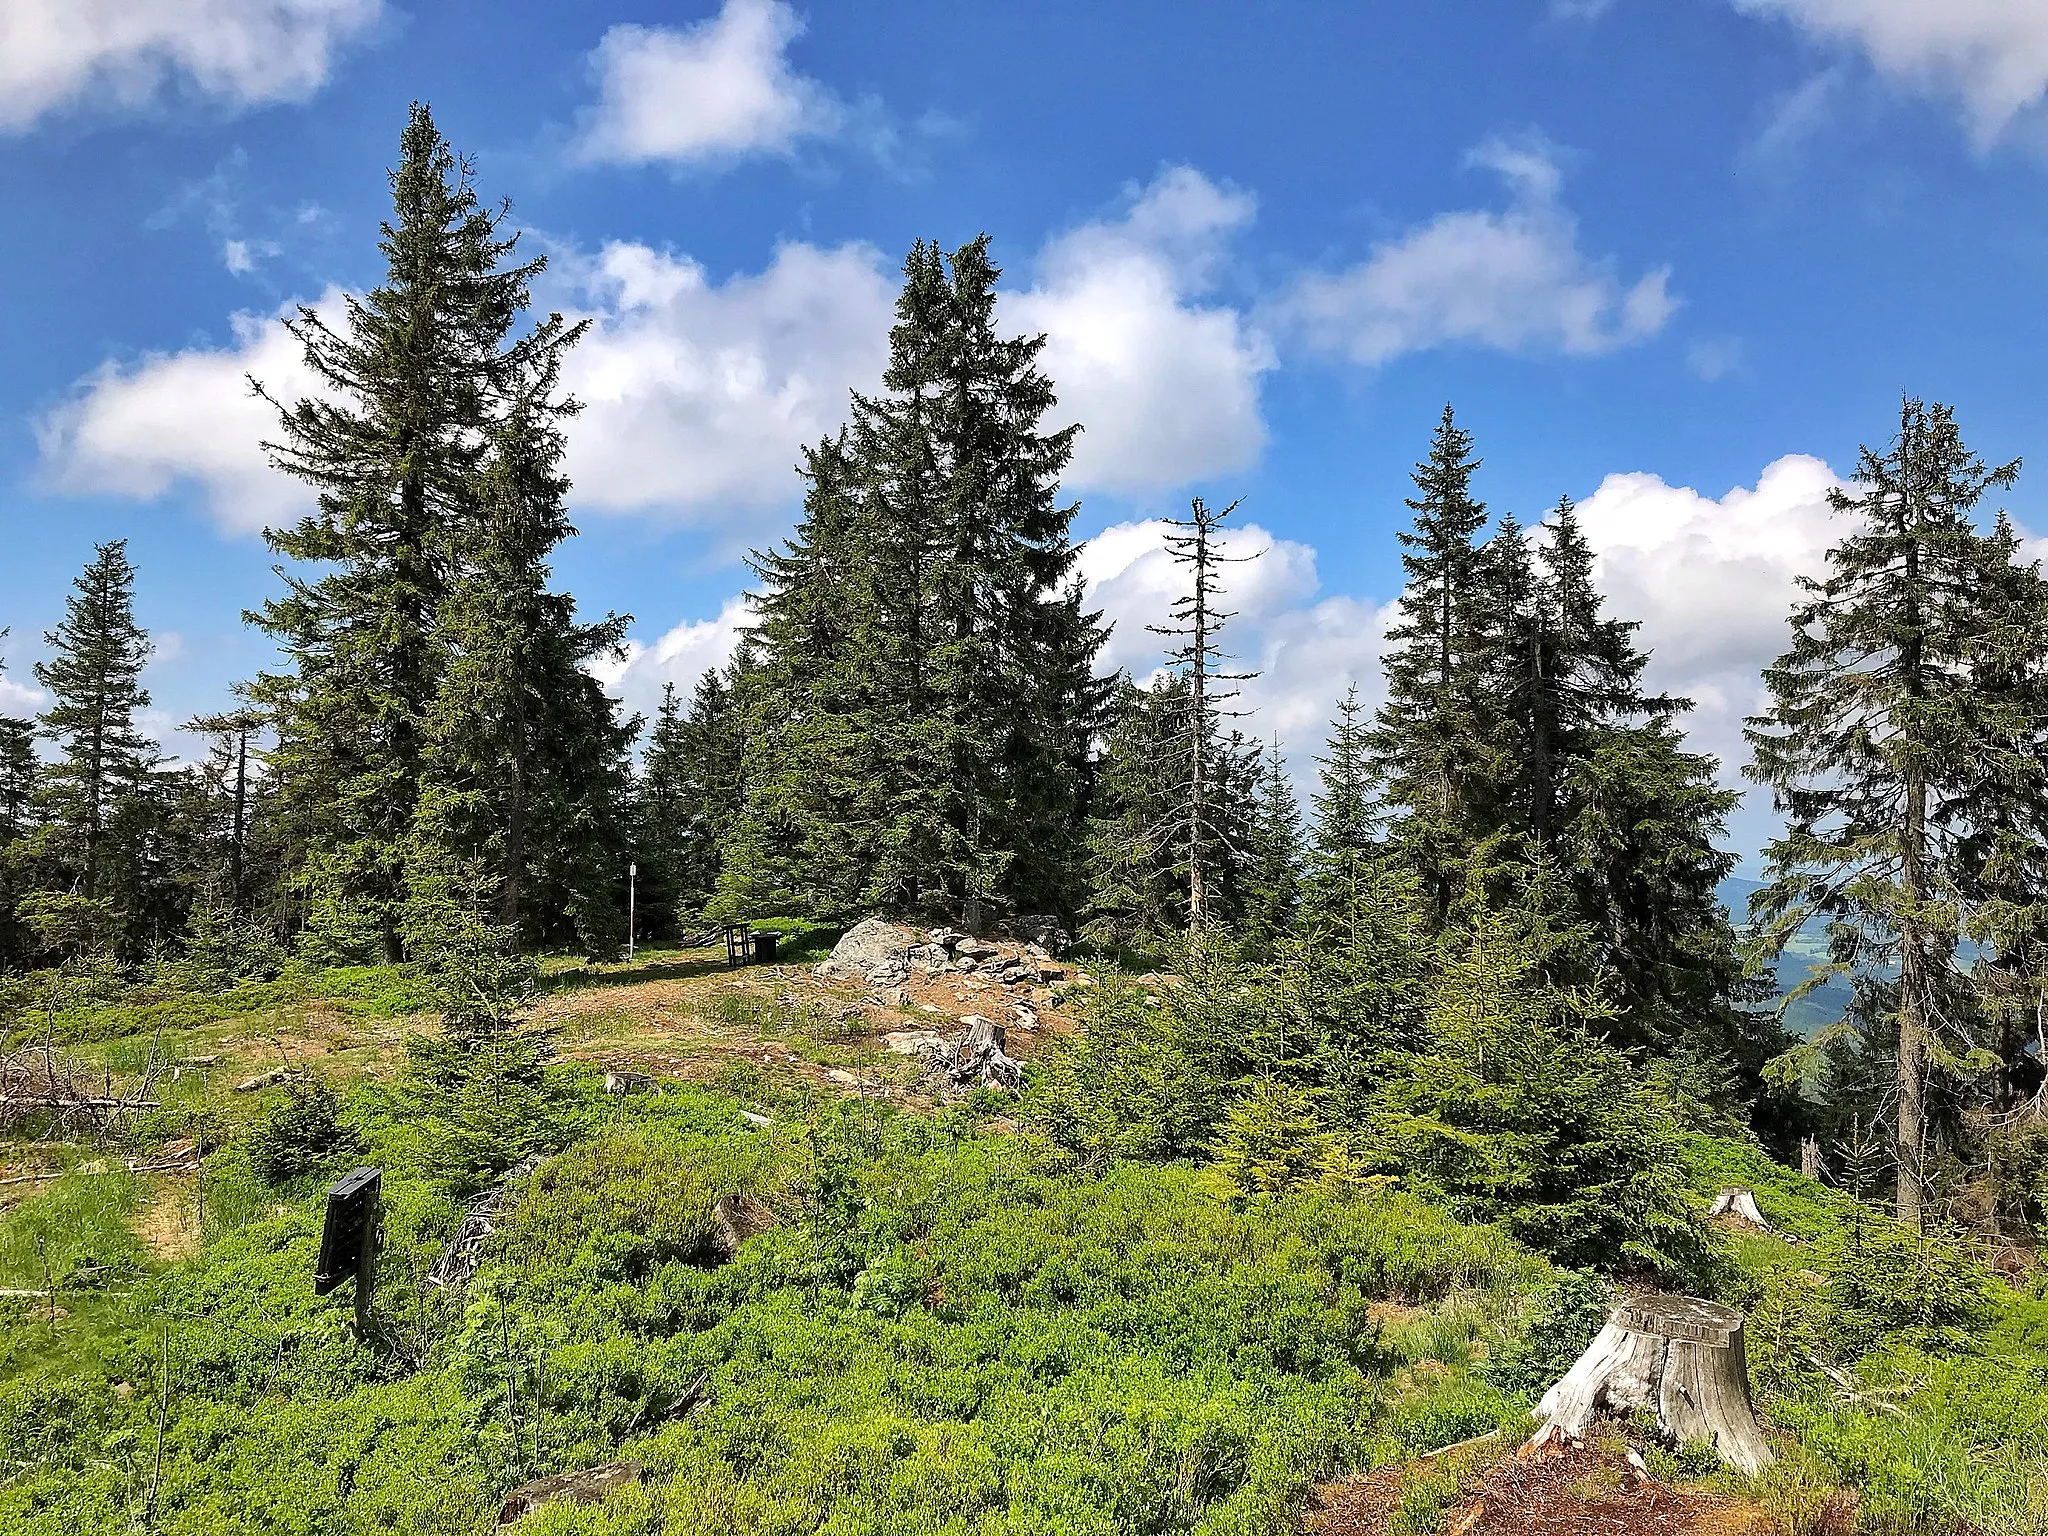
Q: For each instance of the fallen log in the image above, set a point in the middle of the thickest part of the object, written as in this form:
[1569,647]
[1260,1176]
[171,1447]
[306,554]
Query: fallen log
[62,1101]
[1676,1357]
[268,1079]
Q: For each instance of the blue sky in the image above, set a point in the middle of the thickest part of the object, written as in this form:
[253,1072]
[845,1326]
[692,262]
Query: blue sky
[1674,258]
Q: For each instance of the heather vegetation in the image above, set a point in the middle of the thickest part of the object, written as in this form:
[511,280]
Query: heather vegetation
[1385,1082]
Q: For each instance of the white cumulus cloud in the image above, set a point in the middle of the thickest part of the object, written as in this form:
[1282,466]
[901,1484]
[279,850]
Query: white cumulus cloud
[124,53]
[700,395]
[1991,56]
[188,418]
[1165,384]
[1712,580]
[1515,280]
[680,656]
[717,90]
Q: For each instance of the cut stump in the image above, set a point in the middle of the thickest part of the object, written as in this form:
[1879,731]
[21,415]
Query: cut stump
[1676,1357]
[1741,1204]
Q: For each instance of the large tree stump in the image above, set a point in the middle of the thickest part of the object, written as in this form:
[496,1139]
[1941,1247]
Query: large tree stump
[1676,1357]
[1740,1204]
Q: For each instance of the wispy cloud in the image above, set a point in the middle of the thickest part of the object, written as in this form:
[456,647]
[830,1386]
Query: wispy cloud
[1513,279]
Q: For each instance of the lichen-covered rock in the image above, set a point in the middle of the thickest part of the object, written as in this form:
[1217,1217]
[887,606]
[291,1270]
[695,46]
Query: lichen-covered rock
[873,945]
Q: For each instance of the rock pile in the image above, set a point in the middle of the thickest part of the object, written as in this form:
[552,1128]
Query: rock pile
[885,955]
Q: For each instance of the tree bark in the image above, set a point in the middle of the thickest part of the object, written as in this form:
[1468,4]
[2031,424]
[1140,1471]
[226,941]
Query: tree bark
[1679,1358]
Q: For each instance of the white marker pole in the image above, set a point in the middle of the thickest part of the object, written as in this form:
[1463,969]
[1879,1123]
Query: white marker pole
[632,894]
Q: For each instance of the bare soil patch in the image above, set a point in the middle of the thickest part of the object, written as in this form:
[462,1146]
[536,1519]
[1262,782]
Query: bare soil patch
[1584,1490]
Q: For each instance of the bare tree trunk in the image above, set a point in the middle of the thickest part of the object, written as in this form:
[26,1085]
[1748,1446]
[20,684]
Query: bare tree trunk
[1198,895]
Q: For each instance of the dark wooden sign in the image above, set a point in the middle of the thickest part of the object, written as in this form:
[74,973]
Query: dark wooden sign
[348,1242]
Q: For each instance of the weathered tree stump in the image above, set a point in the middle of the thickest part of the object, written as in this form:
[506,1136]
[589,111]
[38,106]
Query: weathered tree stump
[735,1218]
[980,1060]
[1676,1357]
[1741,1204]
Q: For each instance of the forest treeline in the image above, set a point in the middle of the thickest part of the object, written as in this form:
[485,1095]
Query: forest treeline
[1491,943]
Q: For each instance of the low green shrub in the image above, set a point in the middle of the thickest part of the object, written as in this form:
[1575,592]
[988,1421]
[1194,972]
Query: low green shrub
[302,1133]
[1563,1317]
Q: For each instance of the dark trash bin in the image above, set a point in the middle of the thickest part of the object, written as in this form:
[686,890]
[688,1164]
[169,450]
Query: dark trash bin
[764,948]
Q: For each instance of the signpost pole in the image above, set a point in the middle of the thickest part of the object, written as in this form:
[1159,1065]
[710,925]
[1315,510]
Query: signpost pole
[366,1259]
[632,893]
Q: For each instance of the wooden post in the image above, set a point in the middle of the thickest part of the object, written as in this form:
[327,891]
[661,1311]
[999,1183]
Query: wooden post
[366,1259]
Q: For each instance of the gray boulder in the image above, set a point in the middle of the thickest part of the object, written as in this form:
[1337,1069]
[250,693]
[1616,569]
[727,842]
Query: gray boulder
[869,947]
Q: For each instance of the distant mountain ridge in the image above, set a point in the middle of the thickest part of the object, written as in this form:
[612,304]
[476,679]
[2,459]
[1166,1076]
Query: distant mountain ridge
[1826,1003]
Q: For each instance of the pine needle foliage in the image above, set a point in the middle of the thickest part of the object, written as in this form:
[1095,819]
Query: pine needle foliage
[919,711]
[411,379]
[1877,737]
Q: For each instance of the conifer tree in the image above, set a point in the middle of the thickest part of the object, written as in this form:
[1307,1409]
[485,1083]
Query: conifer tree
[822,706]
[1434,743]
[662,816]
[523,757]
[1138,853]
[1877,731]
[228,769]
[2002,821]
[394,448]
[17,772]
[690,792]
[1598,786]
[1198,816]
[17,819]
[918,735]
[1273,876]
[94,678]
[1344,846]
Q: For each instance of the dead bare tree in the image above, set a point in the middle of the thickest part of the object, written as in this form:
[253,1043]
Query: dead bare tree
[1196,625]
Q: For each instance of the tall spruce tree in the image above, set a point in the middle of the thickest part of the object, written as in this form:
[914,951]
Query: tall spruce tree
[2002,821]
[1599,786]
[523,757]
[1878,731]
[94,677]
[690,793]
[1344,844]
[394,447]
[918,734]
[1434,743]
